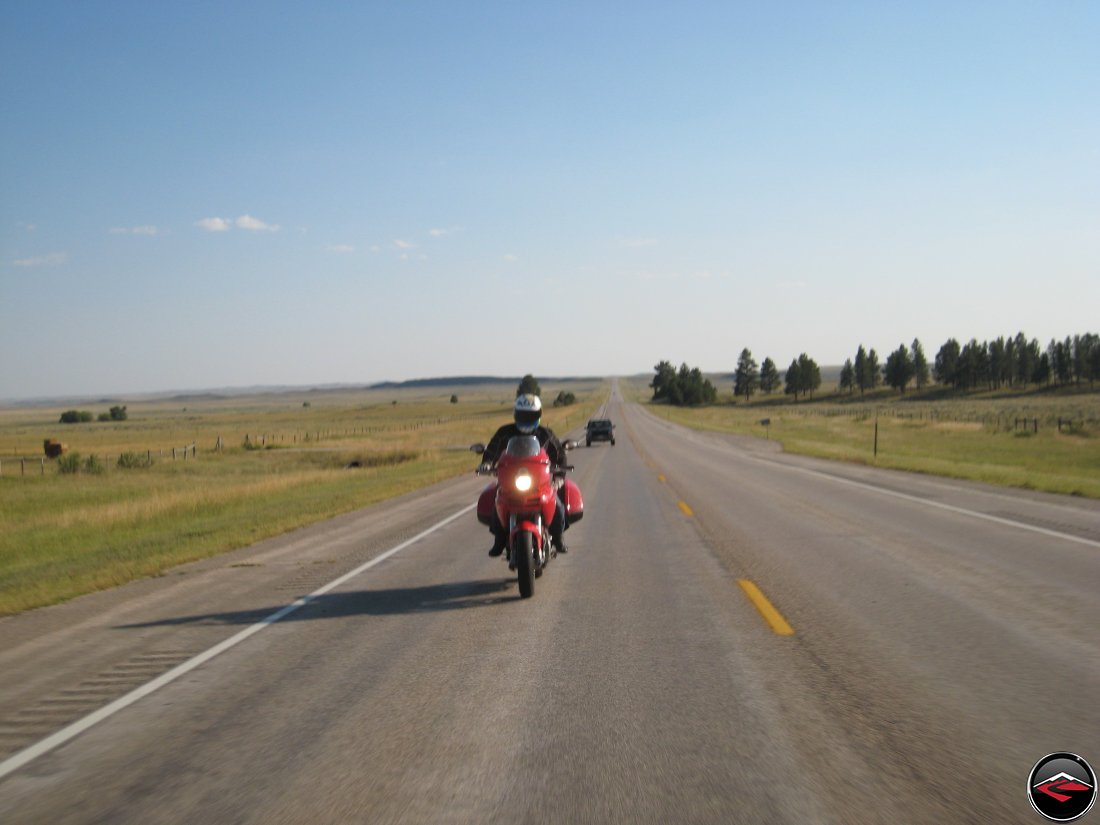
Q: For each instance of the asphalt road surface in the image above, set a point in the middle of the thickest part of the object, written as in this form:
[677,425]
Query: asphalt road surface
[735,635]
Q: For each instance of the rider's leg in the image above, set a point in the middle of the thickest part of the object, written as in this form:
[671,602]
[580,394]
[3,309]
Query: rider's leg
[500,536]
[558,526]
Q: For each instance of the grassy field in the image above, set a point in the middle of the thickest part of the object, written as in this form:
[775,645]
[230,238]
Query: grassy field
[1010,439]
[286,461]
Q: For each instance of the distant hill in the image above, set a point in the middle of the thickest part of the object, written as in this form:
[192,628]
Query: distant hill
[223,393]
[468,380]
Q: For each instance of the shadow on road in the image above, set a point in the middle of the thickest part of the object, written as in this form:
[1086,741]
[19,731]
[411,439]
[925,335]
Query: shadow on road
[395,601]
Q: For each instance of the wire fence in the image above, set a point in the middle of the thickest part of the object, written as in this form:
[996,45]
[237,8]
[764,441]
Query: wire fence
[1011,420]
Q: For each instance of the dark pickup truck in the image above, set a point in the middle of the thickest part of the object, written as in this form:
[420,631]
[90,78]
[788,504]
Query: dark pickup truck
[599,429]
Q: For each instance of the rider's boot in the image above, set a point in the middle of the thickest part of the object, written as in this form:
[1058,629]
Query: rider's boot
[498,545]
[559,542]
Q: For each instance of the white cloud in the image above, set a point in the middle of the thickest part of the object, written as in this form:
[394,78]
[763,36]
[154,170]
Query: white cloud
[439,233]
[510,258]
[243,222]
[50,259]
[29,227]
[255,224]
[636,243]
[404,244]
[342,248]
[376,248]
[135,230]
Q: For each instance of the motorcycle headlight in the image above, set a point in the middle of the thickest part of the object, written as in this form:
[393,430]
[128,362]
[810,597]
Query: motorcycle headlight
[523,482]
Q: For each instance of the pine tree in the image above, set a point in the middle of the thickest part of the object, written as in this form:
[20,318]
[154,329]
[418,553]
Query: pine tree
[847,376]
[809,374]
[529,386]
[793,380]
[920,365]
[747,377]
[946,368]
[769,376]
[861,369]
[899,368]
[874,372]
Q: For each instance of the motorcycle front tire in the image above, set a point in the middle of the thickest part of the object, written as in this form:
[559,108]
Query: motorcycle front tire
[525,564]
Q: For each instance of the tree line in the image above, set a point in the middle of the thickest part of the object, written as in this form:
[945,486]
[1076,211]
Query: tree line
[683,387]
[1005,361]
[802,377]
[84,416]
[1016,361]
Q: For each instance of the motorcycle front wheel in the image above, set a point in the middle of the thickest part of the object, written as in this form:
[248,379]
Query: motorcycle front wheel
[525,564]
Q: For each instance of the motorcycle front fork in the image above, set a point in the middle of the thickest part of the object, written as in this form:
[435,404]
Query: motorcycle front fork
[542,556]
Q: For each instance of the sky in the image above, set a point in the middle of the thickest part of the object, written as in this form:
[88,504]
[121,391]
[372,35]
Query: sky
[198,195]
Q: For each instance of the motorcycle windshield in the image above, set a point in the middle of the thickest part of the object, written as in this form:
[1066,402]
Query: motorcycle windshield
[523,446]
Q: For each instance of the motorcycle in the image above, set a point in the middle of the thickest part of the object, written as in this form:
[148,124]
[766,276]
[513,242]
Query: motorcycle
[525,498]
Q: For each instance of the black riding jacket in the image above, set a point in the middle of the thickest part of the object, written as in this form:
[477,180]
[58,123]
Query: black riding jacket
[546,438]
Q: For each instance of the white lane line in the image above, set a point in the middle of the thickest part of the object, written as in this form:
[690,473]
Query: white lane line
[916,499]
[940,505]
[23,757]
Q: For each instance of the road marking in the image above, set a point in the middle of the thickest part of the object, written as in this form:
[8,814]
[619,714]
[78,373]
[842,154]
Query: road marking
[928,502]
[661,478]
[772,616]
[684,507]
[940,505]
[18,760]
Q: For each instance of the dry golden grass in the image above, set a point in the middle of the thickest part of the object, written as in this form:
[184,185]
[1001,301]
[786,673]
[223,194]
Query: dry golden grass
[971,436]
[62,535]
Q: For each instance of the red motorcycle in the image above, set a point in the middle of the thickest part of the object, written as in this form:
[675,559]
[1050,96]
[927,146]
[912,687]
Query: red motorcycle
[525,500]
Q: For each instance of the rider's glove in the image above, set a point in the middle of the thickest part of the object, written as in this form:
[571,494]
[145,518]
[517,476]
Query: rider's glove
[484,467]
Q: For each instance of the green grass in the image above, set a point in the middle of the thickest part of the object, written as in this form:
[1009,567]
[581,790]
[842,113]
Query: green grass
[62,535]
[966,436]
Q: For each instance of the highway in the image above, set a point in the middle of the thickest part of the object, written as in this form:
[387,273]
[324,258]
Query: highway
[735,635]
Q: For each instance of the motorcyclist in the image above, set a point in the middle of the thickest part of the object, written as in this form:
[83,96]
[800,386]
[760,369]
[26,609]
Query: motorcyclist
[527,415]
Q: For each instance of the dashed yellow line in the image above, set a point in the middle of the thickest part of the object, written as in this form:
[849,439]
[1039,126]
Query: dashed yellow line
[661,478]
[772,616]
[687,511]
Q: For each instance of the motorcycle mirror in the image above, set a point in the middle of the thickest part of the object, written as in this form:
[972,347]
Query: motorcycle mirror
[477,448]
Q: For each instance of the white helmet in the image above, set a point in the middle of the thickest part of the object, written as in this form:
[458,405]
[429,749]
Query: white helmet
[528,411]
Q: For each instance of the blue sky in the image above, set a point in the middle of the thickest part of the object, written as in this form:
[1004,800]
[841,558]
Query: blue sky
[209,194]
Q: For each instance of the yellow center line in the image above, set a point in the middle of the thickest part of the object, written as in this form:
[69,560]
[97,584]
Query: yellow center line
[684,507]
[661,477]
[772,616]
